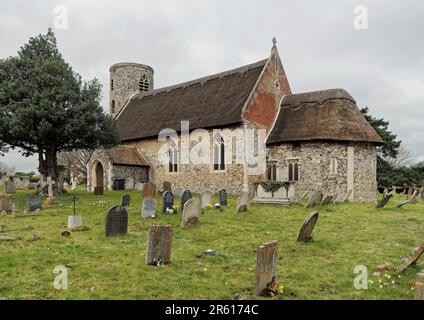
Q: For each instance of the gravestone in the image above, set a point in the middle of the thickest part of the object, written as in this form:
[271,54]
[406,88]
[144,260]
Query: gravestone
[304,195]
[125,200]
[98,191]
[166,186]
[178,192]
[327,200]
[159,245]
[266,265]
[34,204]
[400,205]
[186,195]
[9,186]
[75,220]
[116,221]
[50,184]
[419,286]
[6,203]
[414,196]
[335,197]
[307,228]
[242,202]
[167,201]
[138,186]
[223,197]
[129,184]
[32,185]
[205,199]
[149,200]
[348,195]
[384,201]
[412,260]
[191,213]
[314,199]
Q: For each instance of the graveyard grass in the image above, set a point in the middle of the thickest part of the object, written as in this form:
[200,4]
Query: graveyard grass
[346,235]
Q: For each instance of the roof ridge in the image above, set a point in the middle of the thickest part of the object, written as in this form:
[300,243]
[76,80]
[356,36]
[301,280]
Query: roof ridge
[202,80]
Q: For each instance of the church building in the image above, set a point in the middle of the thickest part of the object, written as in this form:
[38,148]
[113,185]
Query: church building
[313,141]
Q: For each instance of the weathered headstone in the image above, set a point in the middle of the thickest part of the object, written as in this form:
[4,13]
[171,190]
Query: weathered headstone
[414,196]
[50,184]
[348,195]
[149,200]
[138,186]
[191,213]
[159,245]
[419,286]
[116,221]
[6,202]
[327,200]
[305,233]
[403,203]
[186,195]
[98,191]
[335,197]
[167,201]
[9,186]
[129,184]
[304,195]
[167,186]
[205,199]
[242,202]
[384,201]
[178,191]
[314,199]
[125,200]
[32,185]
[412,260]
[266,265]
[223,197]
[34,204]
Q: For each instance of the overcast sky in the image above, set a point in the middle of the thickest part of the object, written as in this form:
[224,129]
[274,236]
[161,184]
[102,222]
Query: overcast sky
[382,67]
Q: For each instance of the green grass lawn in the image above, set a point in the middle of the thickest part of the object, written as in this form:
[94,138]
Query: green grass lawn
[345,236]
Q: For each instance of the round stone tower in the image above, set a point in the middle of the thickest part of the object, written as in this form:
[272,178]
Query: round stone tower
[127,79]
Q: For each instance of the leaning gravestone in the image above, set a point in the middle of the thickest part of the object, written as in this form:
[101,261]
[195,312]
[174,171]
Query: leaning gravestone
[314,199]
[412,260]
[266,265]
[125,200]
[116,221]
[159,245]
[34,204]
[419,286]
[307,228]
[6,203]
[327,200]
[167,201]
[384,201]
[191,213]
[148,209]
[223,197]
[9,186]
[167,186]
[186,195]
[242,202]
[205,199]
[414,196]
[98,191]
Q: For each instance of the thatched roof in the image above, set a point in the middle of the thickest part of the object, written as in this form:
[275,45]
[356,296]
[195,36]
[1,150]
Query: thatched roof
[213,101]
[321,115]
[126,156]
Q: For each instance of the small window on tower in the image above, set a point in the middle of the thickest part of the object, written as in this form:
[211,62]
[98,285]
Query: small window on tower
[112,107]
[111,84]
[143,85]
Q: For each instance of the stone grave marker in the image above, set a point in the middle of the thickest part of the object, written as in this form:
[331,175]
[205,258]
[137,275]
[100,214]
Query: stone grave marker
[98,191]
[191,213]
[129,184]
[116,221]
[159,245]
[327,200]
[148,209]
[9,186]
[305,233]
[75,220]
[335,197]
[223,201]
[412,260]
[138,186]
[304,195]
[186,195]
[266,265]
[384,201]
[314,199]
[167,186]
[414,196]
[205,199]
[32,186]
[125,200]
[34,204]
[178,192]
[167,201]
[419,286]
[6,202]
[242,202]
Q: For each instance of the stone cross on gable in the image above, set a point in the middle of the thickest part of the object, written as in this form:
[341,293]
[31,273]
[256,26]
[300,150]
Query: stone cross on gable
[50,182]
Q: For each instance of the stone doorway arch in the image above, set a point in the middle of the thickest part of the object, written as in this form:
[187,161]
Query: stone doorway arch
[97,173]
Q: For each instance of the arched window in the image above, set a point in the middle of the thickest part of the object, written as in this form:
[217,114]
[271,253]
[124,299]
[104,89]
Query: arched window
[143,85]
[272,172]
[111,84]
[112,107]
[173,156]
[219,152]
[294,174]
[290,171]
